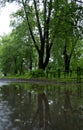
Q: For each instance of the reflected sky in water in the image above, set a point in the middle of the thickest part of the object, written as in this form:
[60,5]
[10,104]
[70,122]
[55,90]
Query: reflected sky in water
[41,107]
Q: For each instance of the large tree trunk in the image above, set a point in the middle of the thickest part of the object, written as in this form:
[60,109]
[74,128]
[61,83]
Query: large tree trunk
[30,66]
[43,61]
[67,63]
[41,65]
[66,60]
[43,112]
[40,62]
[15,65]
[45,43]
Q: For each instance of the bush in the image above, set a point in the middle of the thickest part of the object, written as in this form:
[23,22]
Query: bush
[37,73]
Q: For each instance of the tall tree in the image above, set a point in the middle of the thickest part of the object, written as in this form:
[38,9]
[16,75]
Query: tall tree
[43,14]
[70,21]
[41,36]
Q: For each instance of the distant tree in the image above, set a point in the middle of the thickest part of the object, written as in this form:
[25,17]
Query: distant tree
[15,55]
[68,28]
[6,55]
[22,36]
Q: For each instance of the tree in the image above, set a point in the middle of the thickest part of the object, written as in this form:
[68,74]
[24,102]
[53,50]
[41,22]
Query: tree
[77,58]
[69,31]
[6,55]
[41,36]
[22,36]
[15,55]
[51,19]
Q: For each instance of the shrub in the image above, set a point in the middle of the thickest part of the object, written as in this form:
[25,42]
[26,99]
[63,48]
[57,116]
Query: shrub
[37,73]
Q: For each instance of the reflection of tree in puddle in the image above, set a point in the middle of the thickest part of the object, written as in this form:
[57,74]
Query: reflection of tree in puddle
[23,103]
[20,104]
[70,116]
[67,107]
[79,91]
[67,102]
[42,114]
[32,107]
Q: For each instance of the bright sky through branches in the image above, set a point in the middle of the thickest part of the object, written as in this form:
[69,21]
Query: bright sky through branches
[5,17]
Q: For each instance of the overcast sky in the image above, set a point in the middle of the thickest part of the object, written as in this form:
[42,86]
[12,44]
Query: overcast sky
[5,18]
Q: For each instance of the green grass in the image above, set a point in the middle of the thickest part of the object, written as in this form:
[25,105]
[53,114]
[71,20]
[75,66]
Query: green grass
[40,74]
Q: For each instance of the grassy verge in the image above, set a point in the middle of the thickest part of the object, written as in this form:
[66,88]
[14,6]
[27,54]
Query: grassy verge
[43,78]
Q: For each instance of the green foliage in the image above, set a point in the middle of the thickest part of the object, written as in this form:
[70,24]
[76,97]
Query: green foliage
[37,73]
[40,34]
[15,53]
[67,28]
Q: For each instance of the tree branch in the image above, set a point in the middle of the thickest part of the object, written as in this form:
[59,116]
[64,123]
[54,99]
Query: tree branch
[30,29]
[45,11]
[38,21]
[48,22]
[75,42]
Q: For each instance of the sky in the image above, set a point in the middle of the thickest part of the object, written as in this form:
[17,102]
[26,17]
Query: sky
[5,18]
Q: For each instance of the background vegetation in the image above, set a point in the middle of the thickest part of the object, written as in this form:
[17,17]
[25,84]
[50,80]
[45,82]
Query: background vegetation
[46,35]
